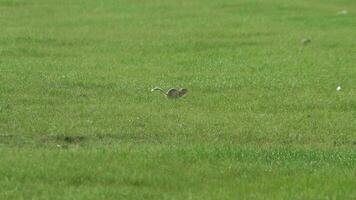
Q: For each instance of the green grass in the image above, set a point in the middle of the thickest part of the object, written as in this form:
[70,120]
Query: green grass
[262,120]
[162,172]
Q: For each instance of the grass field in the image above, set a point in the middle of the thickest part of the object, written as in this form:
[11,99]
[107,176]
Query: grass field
[262,119]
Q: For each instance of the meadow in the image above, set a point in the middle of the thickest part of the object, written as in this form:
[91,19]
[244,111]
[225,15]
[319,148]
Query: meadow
[262,118]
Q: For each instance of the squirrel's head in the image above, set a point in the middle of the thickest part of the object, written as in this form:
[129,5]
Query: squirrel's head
[183,91]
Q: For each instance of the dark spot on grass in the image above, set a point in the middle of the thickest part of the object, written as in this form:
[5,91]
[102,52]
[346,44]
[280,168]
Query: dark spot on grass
[62,139]
[136,182]
[72,139]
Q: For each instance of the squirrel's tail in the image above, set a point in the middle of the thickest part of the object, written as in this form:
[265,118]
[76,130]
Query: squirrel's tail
[158,89]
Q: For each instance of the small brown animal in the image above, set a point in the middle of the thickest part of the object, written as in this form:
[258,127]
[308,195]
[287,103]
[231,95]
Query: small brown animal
[172,93]
[305,41]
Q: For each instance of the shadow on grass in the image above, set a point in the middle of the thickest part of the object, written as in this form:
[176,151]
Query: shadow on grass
[66,140]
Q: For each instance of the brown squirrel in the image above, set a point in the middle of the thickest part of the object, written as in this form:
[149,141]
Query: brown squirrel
[172,93]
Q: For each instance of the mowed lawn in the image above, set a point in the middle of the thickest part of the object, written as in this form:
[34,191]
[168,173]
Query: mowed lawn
[262,119]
